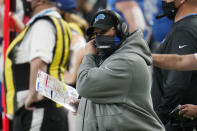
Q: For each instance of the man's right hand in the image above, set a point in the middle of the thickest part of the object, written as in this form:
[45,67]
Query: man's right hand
[90,48]
[32,97]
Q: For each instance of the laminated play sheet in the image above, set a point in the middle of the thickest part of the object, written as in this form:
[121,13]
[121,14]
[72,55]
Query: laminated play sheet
[56,90]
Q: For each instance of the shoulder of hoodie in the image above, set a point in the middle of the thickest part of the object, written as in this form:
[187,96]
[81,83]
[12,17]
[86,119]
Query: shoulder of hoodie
[135,37]
[130,60]
[130,56]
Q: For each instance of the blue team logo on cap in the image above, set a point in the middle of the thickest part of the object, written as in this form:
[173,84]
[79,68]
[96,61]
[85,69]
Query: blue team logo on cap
[99,17]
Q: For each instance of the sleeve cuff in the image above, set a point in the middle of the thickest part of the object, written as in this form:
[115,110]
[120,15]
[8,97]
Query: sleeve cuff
[42,56]
[195,54]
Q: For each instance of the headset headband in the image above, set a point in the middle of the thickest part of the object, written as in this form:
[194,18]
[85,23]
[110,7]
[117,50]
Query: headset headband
[120,26]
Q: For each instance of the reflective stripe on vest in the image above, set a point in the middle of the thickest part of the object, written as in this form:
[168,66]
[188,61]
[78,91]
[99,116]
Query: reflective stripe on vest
[8,74]
[61,51]
[76,28]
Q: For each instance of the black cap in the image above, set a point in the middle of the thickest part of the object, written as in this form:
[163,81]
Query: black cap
[101,21]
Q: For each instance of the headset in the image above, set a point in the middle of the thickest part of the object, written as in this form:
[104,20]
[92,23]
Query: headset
[120,26]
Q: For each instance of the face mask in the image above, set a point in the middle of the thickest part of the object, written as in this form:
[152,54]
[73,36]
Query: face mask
[169,9]
[27,8]
[106,45]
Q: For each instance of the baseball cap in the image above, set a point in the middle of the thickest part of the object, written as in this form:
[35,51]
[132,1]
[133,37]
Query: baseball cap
[66,5]
[101,21]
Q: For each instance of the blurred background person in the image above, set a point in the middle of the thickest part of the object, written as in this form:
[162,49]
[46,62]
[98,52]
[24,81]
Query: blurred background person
[132,11]
[160,25]
[1,20]
[87,8]
[1,57]
[17,17]
[78,26]
[155,19]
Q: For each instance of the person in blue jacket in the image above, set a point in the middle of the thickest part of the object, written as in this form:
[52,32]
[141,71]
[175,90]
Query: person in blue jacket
[132,11]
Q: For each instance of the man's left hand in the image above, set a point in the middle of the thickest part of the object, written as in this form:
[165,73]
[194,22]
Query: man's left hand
[188,110]
[76,104]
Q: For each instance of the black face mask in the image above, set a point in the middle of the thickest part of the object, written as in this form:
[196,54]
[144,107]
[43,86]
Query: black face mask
[27,8]
[169,9]
[106,45]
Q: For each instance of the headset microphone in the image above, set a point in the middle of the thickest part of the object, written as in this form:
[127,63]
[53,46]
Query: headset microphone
[160,16]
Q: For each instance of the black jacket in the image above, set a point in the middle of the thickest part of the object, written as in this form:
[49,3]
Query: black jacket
[171,88]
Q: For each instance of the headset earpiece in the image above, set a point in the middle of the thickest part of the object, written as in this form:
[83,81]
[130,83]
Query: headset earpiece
[124,28]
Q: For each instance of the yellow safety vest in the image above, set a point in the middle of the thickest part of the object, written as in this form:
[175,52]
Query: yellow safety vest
[56,68]
[76,28]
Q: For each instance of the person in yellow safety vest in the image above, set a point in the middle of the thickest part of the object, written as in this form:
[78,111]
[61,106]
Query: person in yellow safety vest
[77,46]
[78,27]
[42,45]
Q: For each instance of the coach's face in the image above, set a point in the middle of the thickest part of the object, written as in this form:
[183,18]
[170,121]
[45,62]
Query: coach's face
[109,32]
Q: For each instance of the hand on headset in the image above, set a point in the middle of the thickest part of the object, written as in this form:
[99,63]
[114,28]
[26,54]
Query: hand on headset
[90,48]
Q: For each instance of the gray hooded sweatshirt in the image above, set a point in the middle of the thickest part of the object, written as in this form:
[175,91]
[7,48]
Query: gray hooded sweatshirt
[116,96]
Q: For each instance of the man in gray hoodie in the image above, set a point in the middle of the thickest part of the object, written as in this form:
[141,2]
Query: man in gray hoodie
[114,79]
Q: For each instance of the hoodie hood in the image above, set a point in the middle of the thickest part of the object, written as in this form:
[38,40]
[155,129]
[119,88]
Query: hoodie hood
[136,44]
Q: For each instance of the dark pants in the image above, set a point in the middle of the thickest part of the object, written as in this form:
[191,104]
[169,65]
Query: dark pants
[54,119]
[178,127]
[1,40]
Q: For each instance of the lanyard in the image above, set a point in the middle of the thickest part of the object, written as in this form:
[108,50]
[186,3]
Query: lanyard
[42,13]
